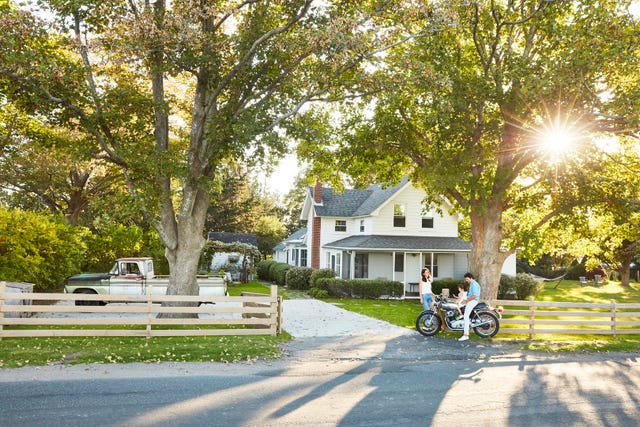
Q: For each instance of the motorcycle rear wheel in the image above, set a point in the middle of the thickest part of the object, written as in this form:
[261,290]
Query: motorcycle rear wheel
[428,323]
[490,326]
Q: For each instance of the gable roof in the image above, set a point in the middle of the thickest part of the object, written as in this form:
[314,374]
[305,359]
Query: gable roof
[400,243]
[297,235]
[355,203]
[223,237]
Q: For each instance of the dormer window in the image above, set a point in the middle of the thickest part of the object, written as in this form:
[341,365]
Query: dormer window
[362,225]
[427,222]
[341,225]
[399,218]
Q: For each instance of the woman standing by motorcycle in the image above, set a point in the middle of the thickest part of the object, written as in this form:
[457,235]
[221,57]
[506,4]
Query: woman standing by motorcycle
[426,295]
[473,296]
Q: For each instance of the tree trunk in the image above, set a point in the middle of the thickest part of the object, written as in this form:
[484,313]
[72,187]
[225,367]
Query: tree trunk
[625,266]
[486,256]
[184,248]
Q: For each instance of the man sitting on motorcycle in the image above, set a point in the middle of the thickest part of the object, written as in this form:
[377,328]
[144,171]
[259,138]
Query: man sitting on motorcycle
[472,299]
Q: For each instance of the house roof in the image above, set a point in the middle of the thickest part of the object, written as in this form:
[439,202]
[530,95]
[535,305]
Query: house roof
[400,243]
[354,203]
[297,235]
[223,237]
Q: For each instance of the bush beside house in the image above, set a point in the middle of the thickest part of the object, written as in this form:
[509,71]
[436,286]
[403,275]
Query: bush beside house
[522,286]
[299,278]
[359,288]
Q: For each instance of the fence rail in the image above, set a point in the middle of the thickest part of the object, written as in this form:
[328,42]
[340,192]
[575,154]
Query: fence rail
[548,317]
[260,314]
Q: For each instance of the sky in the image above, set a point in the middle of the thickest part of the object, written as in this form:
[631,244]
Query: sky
[283,176]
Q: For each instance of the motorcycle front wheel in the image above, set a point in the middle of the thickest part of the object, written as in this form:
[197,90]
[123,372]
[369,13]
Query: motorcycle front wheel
[490,324]
[428,323]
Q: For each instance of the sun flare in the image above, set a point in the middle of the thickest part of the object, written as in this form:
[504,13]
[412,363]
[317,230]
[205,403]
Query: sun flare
[557,139]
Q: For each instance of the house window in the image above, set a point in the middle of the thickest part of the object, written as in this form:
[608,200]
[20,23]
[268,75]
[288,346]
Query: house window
[434,266]
[399,218]
[399,263]
[303,257]
[362,225]
[361,266]
[294,257]
[427,222]
[338,265]
[341,225]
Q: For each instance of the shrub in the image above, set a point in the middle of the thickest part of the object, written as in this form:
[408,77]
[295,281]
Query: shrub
[278,273]
[452,284]
[39,249]
[318,293]
[507,287]
[298,277]
[321,273]
[527,286]
[359,288]
[262,269]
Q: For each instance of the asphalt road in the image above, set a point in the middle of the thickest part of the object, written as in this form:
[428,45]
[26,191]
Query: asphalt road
[386,378]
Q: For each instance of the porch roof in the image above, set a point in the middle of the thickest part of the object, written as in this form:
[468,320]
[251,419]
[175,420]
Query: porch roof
[401,243]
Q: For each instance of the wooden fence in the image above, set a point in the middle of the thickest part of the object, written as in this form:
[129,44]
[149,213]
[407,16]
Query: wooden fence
[260,314]
[547,317]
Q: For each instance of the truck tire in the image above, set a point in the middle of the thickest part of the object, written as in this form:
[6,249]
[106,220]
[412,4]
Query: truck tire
[87,292]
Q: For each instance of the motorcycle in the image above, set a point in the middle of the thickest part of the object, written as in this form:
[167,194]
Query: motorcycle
[484,320]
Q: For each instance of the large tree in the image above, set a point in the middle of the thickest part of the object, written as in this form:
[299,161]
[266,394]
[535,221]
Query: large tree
[172,92]
[465,111]
[44,167]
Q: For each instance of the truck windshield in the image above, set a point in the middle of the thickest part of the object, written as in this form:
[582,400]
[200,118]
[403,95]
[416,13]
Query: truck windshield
[114,270]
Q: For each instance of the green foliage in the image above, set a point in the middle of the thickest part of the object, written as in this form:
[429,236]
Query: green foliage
[262,269]
[216,246]
[452,284]
[39,249]
[273,271]
[270,231]
[359,288]
[319,274]
[527,286]
[318,293]
[299,277]
[507,288]
[112,242]
[278,272]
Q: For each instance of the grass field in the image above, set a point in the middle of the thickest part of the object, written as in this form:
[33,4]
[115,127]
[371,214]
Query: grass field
[404,313]
[15,352]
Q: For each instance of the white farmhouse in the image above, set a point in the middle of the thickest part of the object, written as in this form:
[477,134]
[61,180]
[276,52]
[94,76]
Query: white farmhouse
[378,233]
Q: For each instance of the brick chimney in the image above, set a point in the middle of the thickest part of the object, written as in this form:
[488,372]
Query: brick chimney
[317,192]
[315,227]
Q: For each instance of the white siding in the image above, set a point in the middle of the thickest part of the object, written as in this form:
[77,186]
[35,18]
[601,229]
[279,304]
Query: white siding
[411,197]
[381,265]
[509,266]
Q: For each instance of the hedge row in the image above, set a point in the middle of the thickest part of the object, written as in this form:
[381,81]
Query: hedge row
[273,271]
[359,288]
[520,287]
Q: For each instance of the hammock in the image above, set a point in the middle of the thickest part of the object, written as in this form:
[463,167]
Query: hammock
[544,279]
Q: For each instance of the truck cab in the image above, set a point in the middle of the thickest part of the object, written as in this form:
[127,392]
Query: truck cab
[135,268]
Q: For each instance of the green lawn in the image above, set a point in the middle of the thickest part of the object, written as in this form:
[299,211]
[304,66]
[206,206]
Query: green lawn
[404,313]
[16,352]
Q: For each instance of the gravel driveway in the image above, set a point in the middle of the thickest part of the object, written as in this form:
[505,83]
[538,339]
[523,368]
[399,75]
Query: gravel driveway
[315,318]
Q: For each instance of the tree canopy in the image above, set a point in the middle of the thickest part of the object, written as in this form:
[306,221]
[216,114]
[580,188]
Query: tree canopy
[469,111]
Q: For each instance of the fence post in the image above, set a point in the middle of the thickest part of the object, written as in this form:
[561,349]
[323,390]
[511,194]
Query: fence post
[532,317]
[275,306]
[613,318]
[3,289]
[149,311]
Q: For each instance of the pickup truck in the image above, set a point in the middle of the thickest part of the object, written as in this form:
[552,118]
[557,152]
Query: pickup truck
[133,276]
